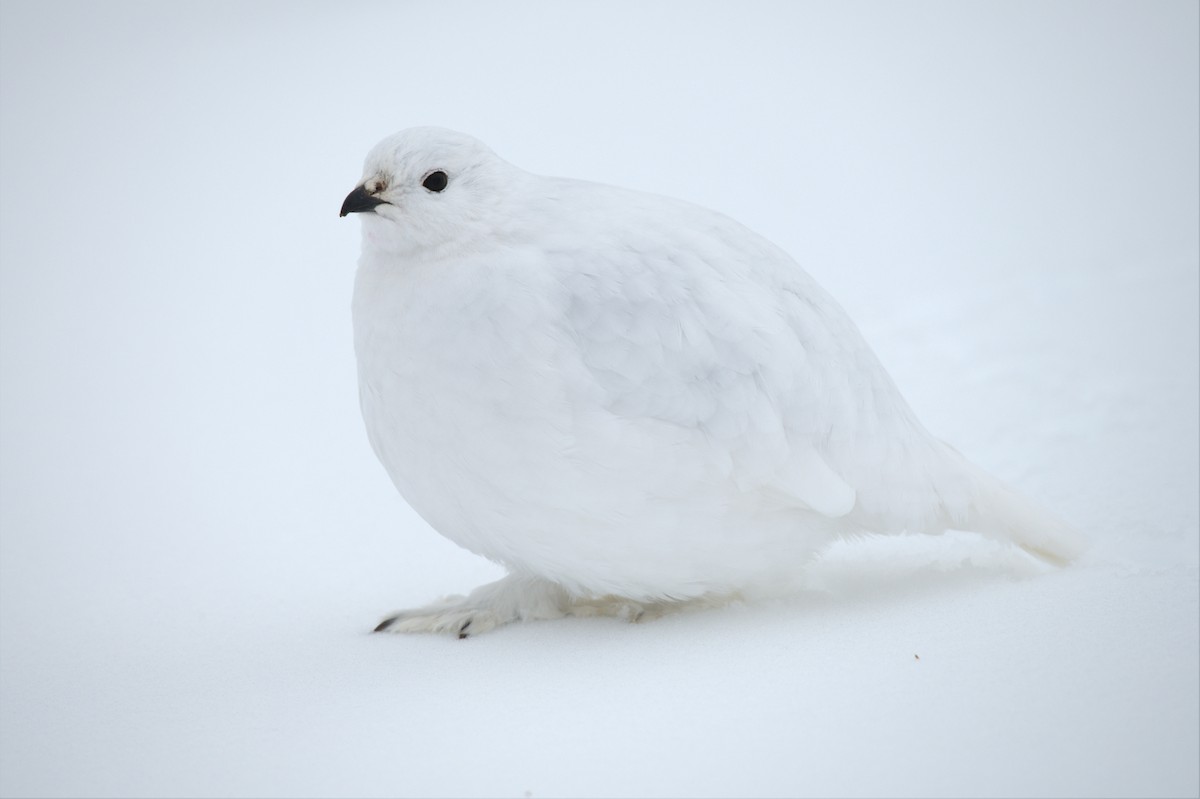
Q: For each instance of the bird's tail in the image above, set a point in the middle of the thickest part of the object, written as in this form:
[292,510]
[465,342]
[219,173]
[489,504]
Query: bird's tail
[1001,512]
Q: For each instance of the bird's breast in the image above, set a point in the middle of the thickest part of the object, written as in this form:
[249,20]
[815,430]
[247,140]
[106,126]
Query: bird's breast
[463,381]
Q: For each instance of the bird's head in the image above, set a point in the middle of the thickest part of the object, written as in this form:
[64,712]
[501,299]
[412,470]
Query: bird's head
[429,188]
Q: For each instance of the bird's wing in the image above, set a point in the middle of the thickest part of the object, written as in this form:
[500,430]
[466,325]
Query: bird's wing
[715,329]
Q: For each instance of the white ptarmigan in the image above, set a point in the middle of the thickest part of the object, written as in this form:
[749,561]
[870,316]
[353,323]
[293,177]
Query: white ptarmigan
[629,401]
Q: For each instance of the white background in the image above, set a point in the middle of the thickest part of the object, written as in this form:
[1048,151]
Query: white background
[195,538]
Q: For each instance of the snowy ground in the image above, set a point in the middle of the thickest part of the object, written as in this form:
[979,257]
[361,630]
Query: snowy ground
[195,537]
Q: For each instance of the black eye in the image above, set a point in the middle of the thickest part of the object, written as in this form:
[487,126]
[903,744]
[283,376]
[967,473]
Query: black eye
[435,181]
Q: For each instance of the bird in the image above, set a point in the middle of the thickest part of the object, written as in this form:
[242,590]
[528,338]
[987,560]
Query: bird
[632,403]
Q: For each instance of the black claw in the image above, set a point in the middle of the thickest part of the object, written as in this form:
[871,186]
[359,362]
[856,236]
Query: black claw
[383,625]
[462,631]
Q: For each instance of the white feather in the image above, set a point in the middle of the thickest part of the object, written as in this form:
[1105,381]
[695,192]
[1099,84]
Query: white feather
[622,394]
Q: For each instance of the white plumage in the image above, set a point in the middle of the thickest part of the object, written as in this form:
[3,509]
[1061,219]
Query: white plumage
[626,399]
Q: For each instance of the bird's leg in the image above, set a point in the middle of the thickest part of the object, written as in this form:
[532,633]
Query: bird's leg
[525,598]
[513,598]
[642,611]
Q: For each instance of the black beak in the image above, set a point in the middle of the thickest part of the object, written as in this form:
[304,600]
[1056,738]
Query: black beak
[358,201]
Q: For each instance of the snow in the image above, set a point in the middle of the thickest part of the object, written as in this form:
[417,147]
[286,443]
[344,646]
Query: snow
[195,538]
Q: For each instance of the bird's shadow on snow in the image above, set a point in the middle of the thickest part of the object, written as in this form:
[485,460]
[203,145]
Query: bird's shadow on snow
[861,578]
